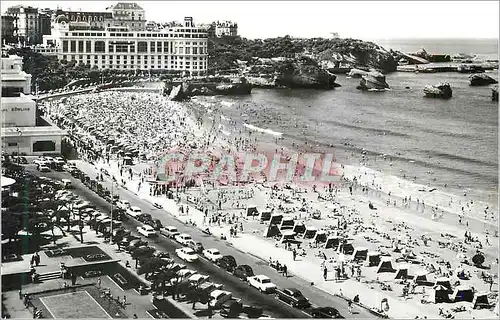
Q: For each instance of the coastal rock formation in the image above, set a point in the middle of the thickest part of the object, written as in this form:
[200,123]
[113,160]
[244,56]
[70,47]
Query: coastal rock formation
[442,90]
[373,81]
[179,90]
[304,72]
[356,73]
[470,68]
[481,79]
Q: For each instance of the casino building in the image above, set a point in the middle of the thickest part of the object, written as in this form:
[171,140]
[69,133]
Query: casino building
[21,132]
[181,47]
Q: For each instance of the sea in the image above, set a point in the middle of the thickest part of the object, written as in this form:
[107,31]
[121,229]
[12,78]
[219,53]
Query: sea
[440,142]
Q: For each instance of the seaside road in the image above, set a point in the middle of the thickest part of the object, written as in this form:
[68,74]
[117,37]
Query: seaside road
[317,296]
[238,288]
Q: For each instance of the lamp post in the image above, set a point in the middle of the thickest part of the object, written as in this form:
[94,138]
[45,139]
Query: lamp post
[18,141]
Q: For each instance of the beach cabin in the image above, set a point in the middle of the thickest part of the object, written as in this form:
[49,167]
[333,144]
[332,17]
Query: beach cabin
[462,293]
[288,236]
[320,237]
[402,271]
[299,228]
[287,224]
[445,282]
[480,300]
[128,161]
[333,242]
[440,294]
[346,248]
[276,219]
[310,233]
[420,277]
[360,254]
[252,212]
[385,265]
[265,216]
[373,259]
[272,231]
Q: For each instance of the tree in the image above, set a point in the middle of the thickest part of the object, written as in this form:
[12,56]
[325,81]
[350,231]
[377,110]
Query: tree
[141,253]
[150,265]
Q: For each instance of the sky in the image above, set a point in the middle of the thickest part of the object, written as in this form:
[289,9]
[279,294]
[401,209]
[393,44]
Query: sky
[365,20]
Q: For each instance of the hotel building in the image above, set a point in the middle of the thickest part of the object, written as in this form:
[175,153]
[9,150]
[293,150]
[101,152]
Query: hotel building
[181,48]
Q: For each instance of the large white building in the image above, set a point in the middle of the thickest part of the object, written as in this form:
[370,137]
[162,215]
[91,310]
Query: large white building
[19,131]
[178,48]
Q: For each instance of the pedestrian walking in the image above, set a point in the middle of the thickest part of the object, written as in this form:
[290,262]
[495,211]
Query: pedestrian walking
[285,271]
[325,273]
[294,254]
[349,305]
[124,300]
[99,282]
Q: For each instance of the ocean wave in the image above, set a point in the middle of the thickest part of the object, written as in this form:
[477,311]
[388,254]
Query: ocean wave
[268,131]
[367,129]
[460,158]
[227,104]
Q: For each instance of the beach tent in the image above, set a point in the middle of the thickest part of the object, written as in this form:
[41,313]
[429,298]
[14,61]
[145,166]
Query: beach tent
[276,219]
[320,237]
[440,294]
[385,265]
[310,232]
[373,258]
[420,277]
[272,231]
[333,242]
[360,254]
[299,228]
[445,282]
[346,248]
[402,271]
[462,293]
[287,224]
[252,211]
[265,216]
[480,300]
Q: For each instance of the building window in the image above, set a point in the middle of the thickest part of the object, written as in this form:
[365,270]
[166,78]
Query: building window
[41,146]
[65,45]
[153,46]
[88,46]
[110,48]
[142,46]
[99,46]
[195,50]
[12,144]
[188,50]
[73,46]
[158,46]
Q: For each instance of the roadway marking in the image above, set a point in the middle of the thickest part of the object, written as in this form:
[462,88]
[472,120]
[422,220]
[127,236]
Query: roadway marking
[46,307]
[97,303]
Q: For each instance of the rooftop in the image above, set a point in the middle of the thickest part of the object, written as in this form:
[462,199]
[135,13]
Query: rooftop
[126,5]
[32,131]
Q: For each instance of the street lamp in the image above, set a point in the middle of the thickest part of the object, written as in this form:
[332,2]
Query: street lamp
[19,132]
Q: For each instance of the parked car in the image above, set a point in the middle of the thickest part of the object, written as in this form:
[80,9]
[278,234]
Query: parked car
[169,232]
[227,263]
[183,238]
[196,246]
[326,313]
[43,168]
[186,254]
[198,279]
[134,244]
[212,254]
[293,297]
[262,282]
[185,273]
[219,297]
[123,204]
[146,231]
[243,271]
[134,211]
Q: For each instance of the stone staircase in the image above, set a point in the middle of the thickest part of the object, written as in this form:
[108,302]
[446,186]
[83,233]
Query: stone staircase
[50,276]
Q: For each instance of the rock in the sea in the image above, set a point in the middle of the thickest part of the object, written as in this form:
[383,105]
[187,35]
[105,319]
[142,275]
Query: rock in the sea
[356,73]
[303,72]
[373,80]
[442,90]
[481,79]
[494,93]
